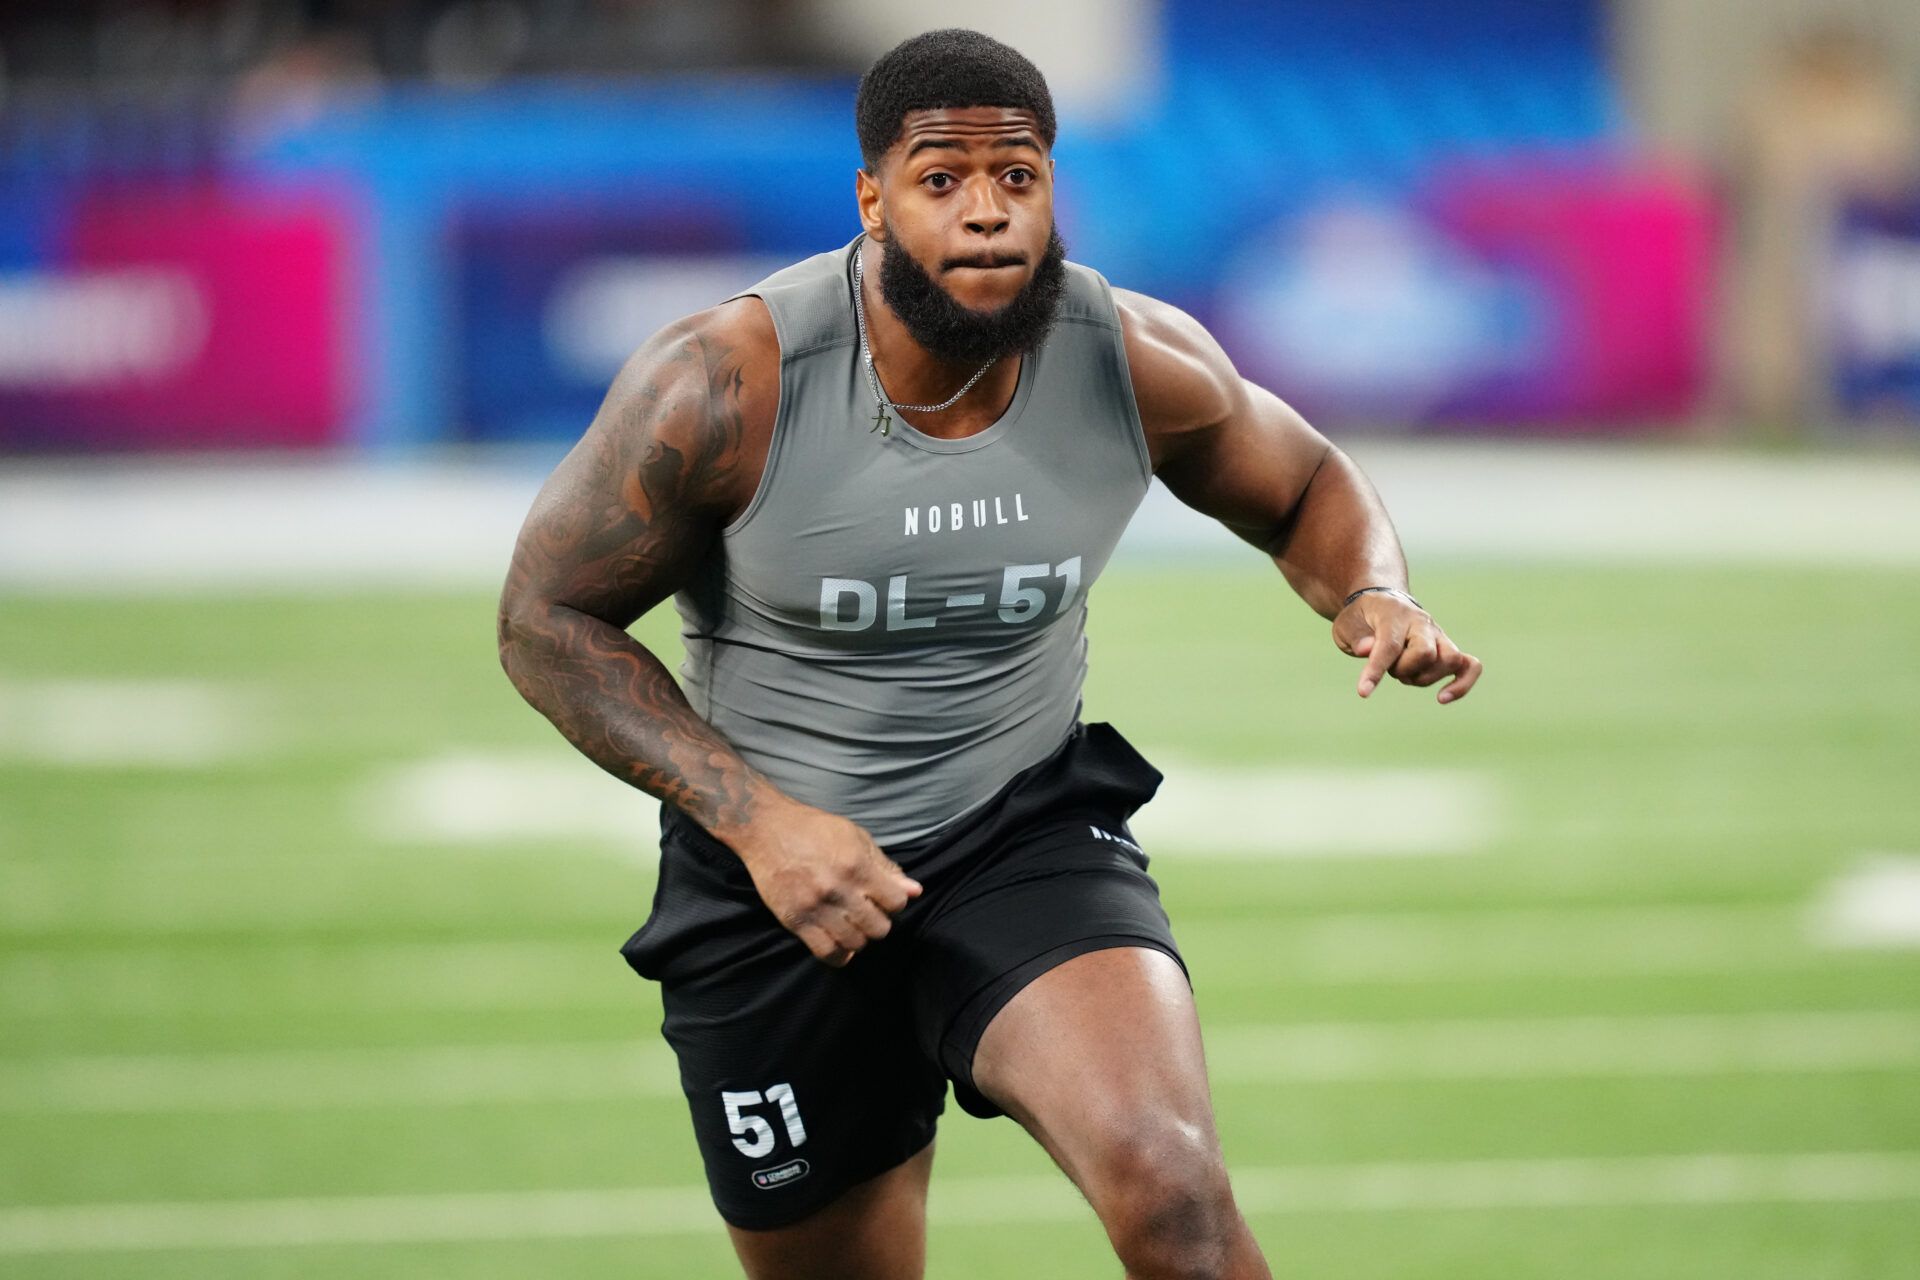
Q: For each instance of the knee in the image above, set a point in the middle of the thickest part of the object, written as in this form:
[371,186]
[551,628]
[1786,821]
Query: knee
[1167,1206]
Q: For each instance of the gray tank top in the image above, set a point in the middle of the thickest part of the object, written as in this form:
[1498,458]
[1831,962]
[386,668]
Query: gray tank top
[896,625]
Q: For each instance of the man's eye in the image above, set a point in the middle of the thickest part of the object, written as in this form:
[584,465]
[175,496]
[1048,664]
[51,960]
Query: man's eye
[939,181]
[1020,177]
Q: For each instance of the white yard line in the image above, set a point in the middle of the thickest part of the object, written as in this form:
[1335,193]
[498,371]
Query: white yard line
[112,724]
[1649,1182]
[170,526]
[1514,943]
[1874,904]
[478,798]
[1647,1046]
[1258,812]
[167,977]
[1614,503]
[157,527]
[1271,812]
[1652,1181]
[150,981]
[1654,1045]
[284,894]
[433,1076]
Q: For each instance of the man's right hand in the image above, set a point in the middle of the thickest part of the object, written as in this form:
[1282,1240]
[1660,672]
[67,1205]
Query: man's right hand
[824,879]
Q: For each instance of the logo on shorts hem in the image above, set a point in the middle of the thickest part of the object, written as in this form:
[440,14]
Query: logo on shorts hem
[1111,838]
[781,1174]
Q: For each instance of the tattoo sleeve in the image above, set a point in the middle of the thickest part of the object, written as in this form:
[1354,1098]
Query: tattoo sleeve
[620,525]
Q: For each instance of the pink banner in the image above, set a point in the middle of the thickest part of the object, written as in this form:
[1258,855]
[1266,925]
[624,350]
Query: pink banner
[1625,262]
[205,318]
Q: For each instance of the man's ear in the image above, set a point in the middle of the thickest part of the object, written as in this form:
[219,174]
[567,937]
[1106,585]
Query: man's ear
[872,204]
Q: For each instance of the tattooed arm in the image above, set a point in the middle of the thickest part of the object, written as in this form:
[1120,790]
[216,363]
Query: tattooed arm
[676,452]
[619,527]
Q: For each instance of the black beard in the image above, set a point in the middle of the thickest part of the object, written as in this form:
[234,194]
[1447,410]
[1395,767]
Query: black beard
[959,334]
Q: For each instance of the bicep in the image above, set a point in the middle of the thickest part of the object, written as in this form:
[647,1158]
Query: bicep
[1249,469]
[626,515]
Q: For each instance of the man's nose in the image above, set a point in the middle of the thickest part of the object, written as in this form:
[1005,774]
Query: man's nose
[986,212]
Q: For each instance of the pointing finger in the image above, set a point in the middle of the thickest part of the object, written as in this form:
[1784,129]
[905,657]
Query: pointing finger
[1381,655]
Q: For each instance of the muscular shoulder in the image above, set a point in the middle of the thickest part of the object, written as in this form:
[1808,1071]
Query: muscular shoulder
[1182,381]
[700,397]
[674,452]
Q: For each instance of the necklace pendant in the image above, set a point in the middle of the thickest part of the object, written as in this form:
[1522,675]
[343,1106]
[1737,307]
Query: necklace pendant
[881,422]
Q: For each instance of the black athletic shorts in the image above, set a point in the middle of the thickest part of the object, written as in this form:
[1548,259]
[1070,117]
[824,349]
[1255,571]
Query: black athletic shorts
[805,1079]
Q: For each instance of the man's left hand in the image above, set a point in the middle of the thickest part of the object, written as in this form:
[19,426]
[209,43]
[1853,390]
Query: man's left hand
[1399,639]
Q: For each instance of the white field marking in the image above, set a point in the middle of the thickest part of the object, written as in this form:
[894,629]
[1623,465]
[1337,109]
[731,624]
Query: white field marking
[317,525]
[1875,903]
[1646,1046]
[150,980]
[170,898]
[477,798]
[1551,502]
[1850,1177]
[175,724]
[483,797]
[1514,943]
[324,1079]
[153,983]
[1653,1045]
[1282,812]
[117,526]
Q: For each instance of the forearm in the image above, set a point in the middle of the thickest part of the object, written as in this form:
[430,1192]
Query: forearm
[1338,538]
[616,702]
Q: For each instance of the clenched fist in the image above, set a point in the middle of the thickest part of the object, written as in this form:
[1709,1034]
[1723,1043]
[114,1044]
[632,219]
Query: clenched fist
[824,879]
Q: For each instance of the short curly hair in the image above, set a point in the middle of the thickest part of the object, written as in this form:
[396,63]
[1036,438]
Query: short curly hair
[952,67]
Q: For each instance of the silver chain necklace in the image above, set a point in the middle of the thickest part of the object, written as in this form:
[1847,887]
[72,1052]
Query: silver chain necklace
[881,421]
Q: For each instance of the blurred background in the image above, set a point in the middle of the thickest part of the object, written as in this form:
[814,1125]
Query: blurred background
[1549,217]
[308,926]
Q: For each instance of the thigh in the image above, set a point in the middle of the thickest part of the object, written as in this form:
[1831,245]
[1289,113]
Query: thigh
[1050,894]
[876,1230]
[1100,1059]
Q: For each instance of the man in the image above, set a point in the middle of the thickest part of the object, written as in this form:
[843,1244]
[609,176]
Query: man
[879,485]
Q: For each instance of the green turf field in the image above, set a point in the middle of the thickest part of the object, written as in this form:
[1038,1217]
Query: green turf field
[249,1030]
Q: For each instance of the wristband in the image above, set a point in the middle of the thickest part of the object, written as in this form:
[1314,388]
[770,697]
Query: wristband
[1392,591]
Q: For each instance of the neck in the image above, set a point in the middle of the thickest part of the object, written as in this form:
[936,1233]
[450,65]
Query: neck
[912,374]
